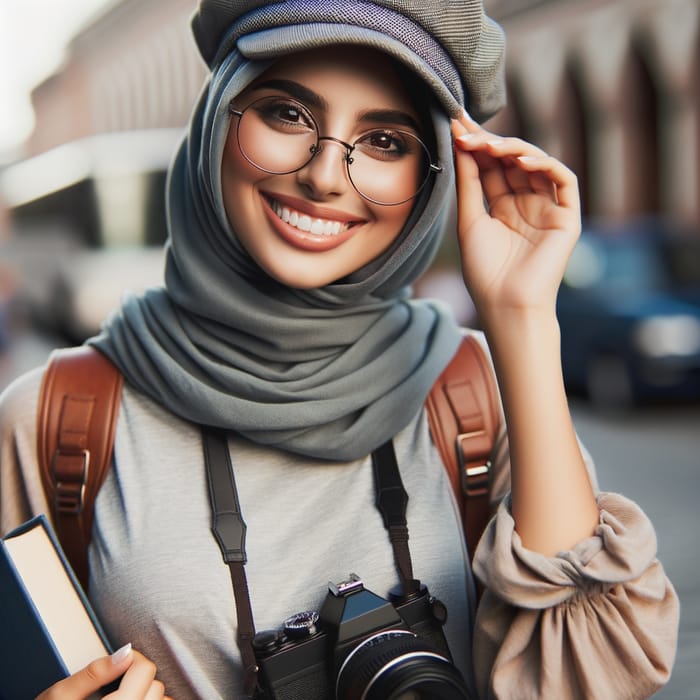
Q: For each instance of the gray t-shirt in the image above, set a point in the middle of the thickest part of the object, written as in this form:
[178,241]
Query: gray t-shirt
[158,577]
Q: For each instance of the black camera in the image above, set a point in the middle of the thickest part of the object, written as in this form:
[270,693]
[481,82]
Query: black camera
[360,647]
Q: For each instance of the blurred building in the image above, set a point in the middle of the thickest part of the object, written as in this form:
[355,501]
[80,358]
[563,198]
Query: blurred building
[612,89]
[134,67]
[609,87]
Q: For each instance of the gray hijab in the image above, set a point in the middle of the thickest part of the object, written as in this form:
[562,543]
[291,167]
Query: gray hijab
[330,373]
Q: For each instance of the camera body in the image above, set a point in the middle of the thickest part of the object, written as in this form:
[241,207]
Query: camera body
[360,645]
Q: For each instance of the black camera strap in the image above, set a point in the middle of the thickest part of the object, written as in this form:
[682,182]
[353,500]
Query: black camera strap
[229,529]
[391,501]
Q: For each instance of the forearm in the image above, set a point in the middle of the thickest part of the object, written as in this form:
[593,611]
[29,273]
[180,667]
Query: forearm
[553,503]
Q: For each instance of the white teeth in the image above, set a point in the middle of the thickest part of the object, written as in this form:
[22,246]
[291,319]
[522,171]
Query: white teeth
[318,227]
[304,223]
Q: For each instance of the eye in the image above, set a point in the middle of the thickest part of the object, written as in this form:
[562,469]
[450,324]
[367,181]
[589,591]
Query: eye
[386,144]
[284,115]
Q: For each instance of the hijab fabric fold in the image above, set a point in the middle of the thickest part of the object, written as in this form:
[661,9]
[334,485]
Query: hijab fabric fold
[329,373]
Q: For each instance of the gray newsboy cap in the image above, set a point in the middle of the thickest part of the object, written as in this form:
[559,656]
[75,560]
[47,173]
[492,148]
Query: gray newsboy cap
[452,45]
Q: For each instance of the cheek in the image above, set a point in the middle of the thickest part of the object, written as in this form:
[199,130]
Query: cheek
[395,217]
[233,164]
[238,177]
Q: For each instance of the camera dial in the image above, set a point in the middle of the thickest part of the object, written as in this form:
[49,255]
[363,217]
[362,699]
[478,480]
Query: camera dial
[301,625]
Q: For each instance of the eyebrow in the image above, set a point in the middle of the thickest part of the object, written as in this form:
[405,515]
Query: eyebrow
[315,101]
[296,90]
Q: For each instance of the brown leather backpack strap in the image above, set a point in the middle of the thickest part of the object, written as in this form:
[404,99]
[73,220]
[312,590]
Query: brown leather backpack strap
[463,414]
[76,422]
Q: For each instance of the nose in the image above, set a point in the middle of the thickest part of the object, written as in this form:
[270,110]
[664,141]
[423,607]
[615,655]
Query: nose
[326,173]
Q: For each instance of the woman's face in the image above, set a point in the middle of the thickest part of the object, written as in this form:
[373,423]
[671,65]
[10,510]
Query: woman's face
[311,227]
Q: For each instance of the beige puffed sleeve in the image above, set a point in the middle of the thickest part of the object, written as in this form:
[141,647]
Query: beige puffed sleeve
[598,622]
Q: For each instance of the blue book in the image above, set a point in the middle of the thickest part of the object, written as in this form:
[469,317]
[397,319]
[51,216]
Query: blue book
[47,628]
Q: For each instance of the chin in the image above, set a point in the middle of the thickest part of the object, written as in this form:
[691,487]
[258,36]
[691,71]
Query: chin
[296,278]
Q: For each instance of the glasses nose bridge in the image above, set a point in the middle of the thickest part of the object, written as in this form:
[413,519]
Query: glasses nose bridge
[349,148]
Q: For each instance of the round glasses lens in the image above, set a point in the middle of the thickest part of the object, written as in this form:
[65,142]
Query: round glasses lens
[389,166]
[277,135]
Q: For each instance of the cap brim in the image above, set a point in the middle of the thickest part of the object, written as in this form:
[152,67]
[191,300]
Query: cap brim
[280,41]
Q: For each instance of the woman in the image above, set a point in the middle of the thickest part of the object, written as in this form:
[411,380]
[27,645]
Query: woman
[307,197]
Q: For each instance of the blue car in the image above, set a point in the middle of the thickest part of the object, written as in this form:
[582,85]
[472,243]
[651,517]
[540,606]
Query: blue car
[629,311]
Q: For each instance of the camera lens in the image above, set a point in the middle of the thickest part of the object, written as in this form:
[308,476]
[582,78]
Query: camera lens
[396,665]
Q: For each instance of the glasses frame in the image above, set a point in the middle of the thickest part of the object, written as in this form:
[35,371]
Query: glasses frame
[433,168]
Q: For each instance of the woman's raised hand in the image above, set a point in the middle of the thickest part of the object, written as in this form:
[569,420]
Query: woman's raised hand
[519,219]
[138,681]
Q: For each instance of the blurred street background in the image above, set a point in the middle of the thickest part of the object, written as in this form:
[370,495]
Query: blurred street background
[97,93]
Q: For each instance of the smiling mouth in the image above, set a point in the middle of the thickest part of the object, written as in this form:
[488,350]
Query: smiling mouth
[308,224]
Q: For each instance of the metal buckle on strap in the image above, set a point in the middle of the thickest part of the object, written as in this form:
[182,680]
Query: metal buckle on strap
[476,474]
[477,479]
[70,480]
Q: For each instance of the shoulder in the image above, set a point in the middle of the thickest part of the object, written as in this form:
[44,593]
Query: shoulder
[146,428]
[21,493]
[18,401]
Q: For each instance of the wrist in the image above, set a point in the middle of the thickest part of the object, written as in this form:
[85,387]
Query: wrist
[530,327]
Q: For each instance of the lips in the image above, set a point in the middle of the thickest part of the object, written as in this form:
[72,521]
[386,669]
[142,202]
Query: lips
[307,226]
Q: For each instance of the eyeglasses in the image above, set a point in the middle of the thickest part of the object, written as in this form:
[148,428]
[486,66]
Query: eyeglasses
[279,135]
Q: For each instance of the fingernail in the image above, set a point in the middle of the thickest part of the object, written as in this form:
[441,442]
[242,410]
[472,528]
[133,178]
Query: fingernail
[121,654]
[466,138]
[495,142]
[527,159]
[468,116]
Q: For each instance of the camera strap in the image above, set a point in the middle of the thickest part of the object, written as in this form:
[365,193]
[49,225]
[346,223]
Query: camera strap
[229,530]
[391,501]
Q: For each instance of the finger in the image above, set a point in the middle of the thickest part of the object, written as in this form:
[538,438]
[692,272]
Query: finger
[511,146]
[469,123]
[526,166]
[490,168]
[138,680]
[89,680]
[563,178]
[470,195]
[495,150]
[500,147]
[458,128]
[503,150]
[496,158]
[466,126]
[156,691]
[522,181]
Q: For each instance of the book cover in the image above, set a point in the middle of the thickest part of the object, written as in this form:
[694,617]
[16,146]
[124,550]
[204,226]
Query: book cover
[48,629]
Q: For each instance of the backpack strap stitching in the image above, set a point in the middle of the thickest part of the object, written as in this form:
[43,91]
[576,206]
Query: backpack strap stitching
[76,423]
[463,414]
